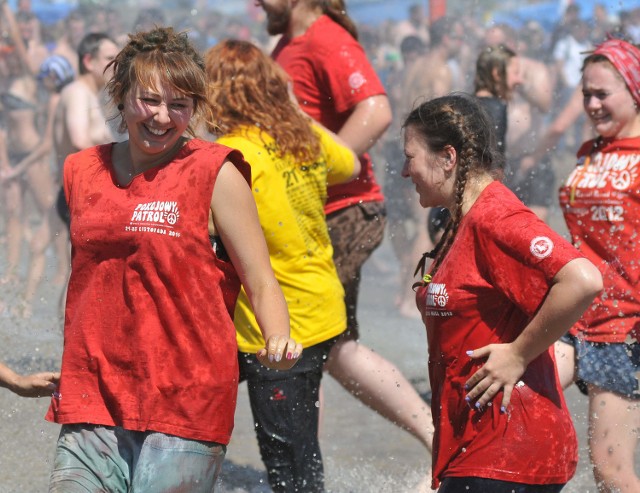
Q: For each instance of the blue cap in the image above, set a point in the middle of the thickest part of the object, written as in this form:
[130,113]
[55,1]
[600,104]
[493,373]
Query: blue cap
[58,66]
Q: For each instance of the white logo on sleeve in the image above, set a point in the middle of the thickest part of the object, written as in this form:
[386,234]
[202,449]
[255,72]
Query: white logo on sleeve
[541,247]
[356,80]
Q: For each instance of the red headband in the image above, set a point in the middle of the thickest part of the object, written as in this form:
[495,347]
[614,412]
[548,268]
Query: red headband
[626,59]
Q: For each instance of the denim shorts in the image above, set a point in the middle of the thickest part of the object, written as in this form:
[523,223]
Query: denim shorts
[611,366]
[92,459]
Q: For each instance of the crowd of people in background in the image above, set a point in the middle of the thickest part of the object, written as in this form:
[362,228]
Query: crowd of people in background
[59,95]
[415,60]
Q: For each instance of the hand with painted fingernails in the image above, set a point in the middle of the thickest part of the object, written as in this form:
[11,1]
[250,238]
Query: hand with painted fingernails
[280,353]
[501,372]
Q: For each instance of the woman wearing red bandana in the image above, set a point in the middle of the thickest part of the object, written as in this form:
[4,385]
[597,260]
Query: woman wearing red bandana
[601,205]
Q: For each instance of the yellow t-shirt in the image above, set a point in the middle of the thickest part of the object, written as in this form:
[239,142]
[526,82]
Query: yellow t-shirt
[290,197]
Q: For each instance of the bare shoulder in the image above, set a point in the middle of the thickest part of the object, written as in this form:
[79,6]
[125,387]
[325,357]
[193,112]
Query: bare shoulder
[534,69]
[68,93]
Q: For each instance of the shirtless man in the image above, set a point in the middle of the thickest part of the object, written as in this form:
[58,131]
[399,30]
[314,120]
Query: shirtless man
[68,44]
[532,182]
[433,74]
[81,119]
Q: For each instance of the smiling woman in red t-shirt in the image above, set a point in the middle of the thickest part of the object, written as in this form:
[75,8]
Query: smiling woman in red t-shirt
[502,289]
[149,370]
[601,205]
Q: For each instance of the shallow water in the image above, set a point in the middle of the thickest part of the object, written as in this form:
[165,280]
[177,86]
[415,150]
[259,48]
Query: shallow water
[362,451]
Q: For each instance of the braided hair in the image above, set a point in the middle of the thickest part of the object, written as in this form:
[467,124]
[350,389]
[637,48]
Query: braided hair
[458,121]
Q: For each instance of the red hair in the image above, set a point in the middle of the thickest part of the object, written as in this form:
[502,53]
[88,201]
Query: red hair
[247,88]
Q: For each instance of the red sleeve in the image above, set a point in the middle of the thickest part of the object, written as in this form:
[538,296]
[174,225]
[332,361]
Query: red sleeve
[522,256]
[345,70]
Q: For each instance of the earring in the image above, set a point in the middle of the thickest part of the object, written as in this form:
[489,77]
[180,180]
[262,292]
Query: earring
[120,107]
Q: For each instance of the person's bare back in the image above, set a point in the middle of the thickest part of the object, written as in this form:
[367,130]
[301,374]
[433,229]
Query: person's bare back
[80,121]
[431,76]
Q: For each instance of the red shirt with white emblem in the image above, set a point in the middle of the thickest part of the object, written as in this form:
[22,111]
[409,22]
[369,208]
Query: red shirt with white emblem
[149,340]
[601,205]
[490,284]
[331,74]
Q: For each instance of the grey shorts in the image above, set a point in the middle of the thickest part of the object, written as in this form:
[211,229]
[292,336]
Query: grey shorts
[611,366]
[92,459]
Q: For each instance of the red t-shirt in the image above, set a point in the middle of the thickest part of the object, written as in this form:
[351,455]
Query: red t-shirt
[490,284]
[149,340]
[601,205]
[331,74]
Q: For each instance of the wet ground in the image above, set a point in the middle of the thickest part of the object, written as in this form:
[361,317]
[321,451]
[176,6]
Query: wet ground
[363,453]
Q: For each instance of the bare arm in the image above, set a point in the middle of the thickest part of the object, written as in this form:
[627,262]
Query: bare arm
[537,87]
[368,121]
[4,159]
[567,117]
[236,220]
[36,385]
[572,291]
[14,31]
[76,117]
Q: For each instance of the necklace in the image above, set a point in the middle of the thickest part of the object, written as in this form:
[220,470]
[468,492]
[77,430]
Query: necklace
[125,167]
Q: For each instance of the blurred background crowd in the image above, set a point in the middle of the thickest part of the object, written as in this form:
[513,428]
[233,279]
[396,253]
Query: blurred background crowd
[403,40]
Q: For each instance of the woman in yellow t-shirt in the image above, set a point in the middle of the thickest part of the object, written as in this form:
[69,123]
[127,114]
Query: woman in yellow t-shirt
[292,162]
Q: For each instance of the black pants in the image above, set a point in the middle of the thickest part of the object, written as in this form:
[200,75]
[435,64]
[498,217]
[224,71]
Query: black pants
[483,485]
[285,412]
[63,208]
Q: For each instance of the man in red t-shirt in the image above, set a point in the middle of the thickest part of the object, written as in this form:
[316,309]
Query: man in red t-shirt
[336,85]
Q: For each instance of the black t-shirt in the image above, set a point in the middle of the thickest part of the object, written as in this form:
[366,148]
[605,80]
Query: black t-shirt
[496,108]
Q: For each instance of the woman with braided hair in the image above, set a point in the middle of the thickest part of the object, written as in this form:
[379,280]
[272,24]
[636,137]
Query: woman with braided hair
[502,288]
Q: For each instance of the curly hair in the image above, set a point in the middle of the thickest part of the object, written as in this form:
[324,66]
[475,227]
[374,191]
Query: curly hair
[458,121]
[247,88]
[491,59]
[163,54]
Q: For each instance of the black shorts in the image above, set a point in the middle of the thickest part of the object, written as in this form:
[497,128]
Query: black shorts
[483,485]
[63,208]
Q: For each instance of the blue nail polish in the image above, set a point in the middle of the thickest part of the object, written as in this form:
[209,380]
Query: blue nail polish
[503,409]
[469,353]
[478,405]
[467,398]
